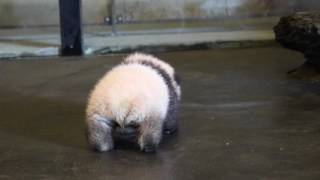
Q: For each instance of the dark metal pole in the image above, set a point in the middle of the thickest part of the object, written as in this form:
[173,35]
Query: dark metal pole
[70,27]
[112,16]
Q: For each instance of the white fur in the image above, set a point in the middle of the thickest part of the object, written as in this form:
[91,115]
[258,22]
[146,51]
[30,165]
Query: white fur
[128,93]
[131,92]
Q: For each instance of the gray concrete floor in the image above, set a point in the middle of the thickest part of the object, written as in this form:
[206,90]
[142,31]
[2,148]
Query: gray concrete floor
[242,118]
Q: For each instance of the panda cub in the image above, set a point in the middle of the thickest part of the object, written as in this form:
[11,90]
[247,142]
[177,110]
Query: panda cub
[139,99]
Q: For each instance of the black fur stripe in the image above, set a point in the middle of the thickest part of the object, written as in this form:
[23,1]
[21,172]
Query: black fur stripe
[167,79]
[173,96]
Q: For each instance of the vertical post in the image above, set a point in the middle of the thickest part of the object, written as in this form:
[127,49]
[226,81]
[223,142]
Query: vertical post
[226,7]
[112,16]
[70,27]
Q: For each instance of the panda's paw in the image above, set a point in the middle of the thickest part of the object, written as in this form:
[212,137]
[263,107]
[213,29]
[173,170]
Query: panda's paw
[149,148]
[168,132]
[148,145]
[102,147]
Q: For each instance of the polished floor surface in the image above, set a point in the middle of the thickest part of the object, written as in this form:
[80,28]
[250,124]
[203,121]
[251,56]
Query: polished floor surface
[242,118]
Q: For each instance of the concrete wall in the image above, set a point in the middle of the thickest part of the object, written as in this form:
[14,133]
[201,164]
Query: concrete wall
[28,12]
[46,12]
[165,9]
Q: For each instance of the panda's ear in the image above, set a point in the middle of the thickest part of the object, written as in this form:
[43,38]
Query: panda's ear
[177,79]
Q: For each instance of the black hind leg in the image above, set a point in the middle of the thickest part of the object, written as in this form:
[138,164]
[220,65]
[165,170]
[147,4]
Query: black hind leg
[171,123]
[170,127]
[99,133]
[150,135]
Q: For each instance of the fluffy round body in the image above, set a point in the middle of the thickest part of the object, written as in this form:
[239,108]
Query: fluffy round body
[140,95]
[129,94]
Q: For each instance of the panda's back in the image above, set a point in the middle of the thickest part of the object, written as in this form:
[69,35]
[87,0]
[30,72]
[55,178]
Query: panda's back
[130,92]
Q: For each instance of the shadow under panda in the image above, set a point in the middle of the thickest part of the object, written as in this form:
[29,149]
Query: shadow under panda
[134,105]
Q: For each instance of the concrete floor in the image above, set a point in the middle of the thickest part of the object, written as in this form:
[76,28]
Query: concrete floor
[242,118]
